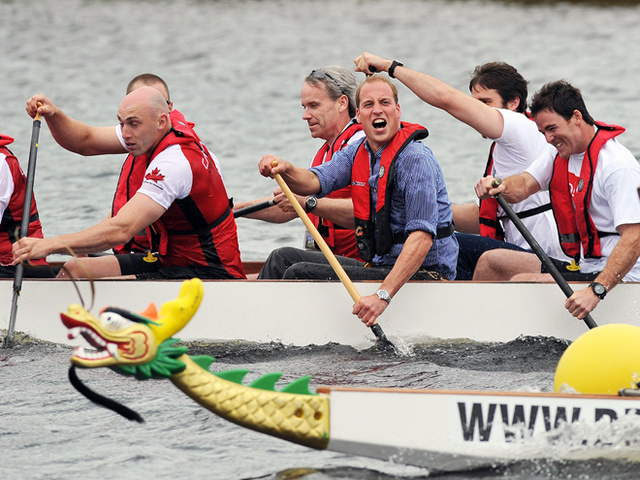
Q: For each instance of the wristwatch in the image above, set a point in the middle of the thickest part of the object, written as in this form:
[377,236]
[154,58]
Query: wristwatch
[598,289]
[392,68]
[310,203]
[384,295]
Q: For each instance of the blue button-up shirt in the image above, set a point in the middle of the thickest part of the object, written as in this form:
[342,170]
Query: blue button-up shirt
[419,199]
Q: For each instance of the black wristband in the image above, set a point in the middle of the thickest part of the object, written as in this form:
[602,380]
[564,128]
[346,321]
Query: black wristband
[393,66]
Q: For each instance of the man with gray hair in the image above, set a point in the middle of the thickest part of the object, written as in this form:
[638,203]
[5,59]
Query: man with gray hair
[328,99]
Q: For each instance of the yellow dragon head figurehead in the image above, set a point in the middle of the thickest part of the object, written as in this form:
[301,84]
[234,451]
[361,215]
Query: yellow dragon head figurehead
[142,345]
[123,338]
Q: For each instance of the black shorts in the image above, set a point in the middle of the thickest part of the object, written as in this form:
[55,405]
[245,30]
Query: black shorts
[146,267]
[570,275]
[137,263]
[29,271]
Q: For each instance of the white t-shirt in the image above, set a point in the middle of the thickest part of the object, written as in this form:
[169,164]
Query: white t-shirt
[216,162]
[614,198]
[518,147]
[168,177]
[6,185]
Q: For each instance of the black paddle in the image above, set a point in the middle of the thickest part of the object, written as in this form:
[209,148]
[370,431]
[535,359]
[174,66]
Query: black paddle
[537,249]
[241,212]
[24,227]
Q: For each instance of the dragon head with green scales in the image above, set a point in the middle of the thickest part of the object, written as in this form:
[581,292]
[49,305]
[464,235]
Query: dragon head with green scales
[142,345]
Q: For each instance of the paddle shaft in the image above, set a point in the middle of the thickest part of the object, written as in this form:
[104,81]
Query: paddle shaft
[24,227]
[537,249]
[241,212]
[331,258]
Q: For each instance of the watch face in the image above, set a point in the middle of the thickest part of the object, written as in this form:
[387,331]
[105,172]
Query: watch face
[383,295]
[311,203]
[599,289]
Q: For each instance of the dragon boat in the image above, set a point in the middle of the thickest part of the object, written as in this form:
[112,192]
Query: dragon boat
[302,313]
[440,430]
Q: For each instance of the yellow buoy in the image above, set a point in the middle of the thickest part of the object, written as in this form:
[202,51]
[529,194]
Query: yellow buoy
[603,360]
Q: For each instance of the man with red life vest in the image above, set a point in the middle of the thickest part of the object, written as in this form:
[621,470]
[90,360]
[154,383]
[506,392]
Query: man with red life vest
[593,182]
[328,100]
[84,139]
[496,109]
[12,190]
[409,232]
[182,203]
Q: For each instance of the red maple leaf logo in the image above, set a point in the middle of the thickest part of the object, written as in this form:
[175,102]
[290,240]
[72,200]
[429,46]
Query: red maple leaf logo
[155,175]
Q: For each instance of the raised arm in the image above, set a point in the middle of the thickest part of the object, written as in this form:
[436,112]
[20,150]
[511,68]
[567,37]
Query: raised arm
[486,120]
[72,134]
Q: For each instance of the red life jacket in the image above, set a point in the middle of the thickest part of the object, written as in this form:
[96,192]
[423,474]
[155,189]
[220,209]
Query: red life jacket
[130,180]
[489,223]
[379,242]
[11,221]
[198,229]
[575,225]
[341,240]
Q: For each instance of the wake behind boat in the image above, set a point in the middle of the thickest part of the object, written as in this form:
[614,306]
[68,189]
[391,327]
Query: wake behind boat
[305,312]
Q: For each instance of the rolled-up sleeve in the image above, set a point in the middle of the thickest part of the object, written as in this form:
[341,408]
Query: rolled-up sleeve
[336,174]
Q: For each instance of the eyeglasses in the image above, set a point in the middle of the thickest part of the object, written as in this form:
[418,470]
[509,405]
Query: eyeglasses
[321,75]
[169,102]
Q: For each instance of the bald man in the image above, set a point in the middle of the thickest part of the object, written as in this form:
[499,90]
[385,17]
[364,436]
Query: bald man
[182,203]
[88,140]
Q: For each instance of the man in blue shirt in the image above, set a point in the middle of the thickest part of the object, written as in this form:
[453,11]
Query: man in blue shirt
[408,235]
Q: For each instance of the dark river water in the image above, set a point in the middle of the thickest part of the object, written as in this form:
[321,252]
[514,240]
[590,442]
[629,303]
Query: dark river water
[235,68]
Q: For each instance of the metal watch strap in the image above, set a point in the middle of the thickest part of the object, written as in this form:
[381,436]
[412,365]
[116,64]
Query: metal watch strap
[383,295]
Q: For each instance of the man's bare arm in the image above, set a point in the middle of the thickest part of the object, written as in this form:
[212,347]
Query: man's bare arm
[72,134]
[137,213]
[486,120]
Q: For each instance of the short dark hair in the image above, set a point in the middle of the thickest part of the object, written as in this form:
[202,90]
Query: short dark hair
[148,79]
[503,78]
[562,98]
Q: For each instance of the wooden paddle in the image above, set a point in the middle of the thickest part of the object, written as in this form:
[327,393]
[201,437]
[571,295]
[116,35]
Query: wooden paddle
[333,261]
[537,249]
[24,227]
[241,212]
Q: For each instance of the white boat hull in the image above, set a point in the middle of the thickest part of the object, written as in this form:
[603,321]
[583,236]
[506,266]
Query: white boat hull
[453,431]
[303,313]
[440,430]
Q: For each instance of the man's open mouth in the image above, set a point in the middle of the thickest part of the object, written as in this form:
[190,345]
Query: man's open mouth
[379,123]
